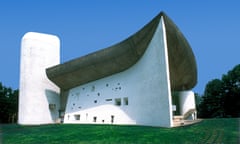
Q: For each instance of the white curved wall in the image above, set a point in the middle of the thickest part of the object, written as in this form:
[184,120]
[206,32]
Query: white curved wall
[146,86]
[186,101]
[38,52]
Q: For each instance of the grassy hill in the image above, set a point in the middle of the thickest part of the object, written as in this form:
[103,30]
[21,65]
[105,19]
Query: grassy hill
[208,131]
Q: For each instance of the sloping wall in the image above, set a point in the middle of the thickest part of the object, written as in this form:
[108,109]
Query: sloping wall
[145,86]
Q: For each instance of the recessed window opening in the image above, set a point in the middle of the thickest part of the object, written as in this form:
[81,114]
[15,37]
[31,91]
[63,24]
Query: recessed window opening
[118,101]
[125,101]
[52,106]
[112,118]
[108,99]
[95,101]
[98,94]
[77,117]
[95,119]
[93,88]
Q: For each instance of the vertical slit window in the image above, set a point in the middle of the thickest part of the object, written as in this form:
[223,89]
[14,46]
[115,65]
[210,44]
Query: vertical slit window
[125,101]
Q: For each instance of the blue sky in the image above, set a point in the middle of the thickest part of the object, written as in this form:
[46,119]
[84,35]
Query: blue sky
[84,26]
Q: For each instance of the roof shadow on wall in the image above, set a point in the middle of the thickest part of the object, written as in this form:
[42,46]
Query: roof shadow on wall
[53,101]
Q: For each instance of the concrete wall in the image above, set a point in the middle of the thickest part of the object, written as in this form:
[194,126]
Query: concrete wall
[38,51]
[186,101]
[145,86]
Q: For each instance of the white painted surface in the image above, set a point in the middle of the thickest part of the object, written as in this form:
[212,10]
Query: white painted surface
[38,52]
[146,85]
[186,101]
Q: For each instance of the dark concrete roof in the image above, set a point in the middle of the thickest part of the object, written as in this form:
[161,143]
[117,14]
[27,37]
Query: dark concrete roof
[121,56]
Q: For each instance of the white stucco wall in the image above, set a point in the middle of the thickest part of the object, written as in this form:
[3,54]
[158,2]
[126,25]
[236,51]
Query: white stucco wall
[186,101]
[38,52]
[146,86]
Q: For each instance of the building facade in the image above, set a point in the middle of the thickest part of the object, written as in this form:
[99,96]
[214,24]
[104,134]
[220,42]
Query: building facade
[143,80]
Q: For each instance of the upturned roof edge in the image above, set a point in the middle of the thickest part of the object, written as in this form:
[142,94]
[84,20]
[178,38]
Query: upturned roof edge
[121,56]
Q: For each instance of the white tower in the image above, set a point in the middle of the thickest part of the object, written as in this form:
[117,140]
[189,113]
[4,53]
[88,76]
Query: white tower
[38,96]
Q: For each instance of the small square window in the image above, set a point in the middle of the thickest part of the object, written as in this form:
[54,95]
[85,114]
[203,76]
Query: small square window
[52,106]
[77,117]
[118,101]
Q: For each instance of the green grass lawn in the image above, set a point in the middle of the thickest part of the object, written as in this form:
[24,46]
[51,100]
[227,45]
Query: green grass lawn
[217,131]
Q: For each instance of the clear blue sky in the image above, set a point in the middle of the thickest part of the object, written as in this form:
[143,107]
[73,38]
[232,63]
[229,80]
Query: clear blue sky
[211,27]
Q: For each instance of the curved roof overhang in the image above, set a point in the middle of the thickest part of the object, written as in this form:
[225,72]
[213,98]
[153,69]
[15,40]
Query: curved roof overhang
[119,57]
[182,63]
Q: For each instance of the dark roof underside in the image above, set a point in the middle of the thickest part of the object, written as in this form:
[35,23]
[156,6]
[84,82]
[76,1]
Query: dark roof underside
[119,57]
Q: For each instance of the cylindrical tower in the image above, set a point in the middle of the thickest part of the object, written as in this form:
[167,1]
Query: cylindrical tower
[38,96]
[187,101]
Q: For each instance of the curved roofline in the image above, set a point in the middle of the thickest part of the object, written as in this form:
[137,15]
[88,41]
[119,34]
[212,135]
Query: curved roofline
[182,63]
[123,55]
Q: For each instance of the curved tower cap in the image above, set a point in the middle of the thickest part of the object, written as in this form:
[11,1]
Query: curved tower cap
[47,38]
